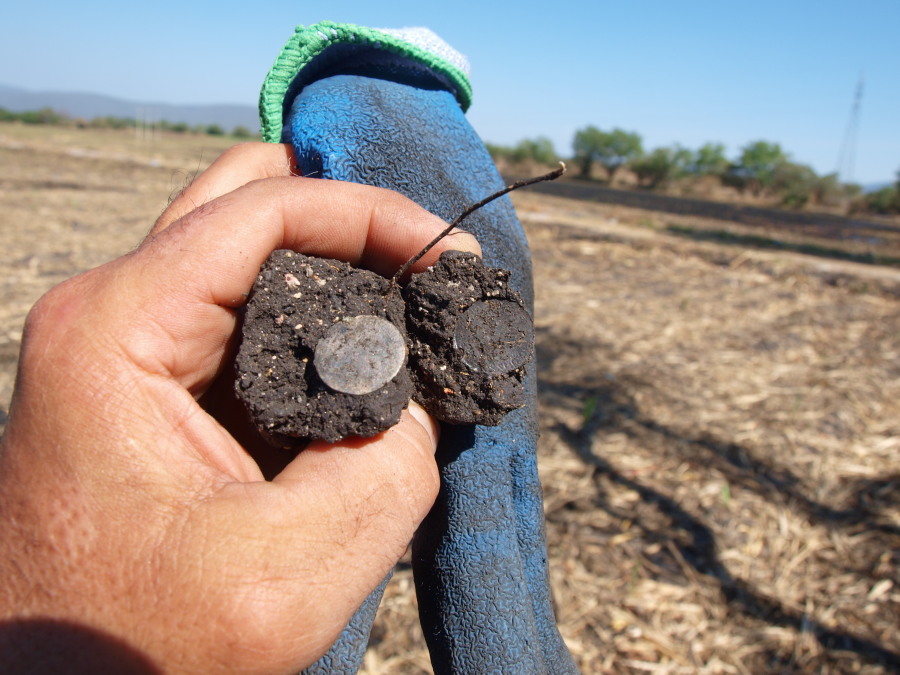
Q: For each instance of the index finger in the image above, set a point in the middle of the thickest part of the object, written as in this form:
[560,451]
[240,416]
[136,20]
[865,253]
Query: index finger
[237,166]
[218,248]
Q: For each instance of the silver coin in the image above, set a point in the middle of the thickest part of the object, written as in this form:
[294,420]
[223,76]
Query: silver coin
[360,354]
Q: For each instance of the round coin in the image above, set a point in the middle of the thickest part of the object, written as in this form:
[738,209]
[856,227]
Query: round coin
[360,354]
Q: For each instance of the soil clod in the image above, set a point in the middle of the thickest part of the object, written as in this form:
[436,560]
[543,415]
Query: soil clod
[324,350]
[470,340]
[293,393]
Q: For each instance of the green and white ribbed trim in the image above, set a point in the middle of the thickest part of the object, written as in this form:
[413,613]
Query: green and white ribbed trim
[307,42]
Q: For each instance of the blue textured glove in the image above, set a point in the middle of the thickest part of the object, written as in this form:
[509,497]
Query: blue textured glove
[479,559]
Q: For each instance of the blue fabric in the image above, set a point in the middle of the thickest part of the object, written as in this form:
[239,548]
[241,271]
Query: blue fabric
[479,559]
[348,651]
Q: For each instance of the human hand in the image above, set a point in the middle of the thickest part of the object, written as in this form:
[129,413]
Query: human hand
[136,531]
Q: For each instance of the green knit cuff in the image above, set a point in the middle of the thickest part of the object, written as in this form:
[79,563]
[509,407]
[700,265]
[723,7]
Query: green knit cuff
[309,42]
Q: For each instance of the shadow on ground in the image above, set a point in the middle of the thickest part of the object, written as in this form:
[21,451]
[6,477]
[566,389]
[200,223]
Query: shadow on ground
[677,536]
[764,242]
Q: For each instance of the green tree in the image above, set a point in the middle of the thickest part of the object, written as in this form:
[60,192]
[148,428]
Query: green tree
[884,201]
[214,130]
[538,149]
[497,151]
[42,116]
[585,146]
[829,191]
[795,182]
[611,149]
[709,160]
[110,122]
[663,165]
[852,190]
[758,163]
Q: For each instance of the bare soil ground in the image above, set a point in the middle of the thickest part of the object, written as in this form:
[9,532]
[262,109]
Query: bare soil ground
[720,424]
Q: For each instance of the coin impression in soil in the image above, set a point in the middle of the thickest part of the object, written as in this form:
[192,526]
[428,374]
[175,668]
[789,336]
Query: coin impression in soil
[494,337]
[330,351]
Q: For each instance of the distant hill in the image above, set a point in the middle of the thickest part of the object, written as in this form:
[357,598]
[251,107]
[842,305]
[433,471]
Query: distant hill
[875,187]
[88,106]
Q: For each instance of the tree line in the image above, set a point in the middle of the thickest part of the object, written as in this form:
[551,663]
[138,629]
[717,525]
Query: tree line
[53,117]
[761,168]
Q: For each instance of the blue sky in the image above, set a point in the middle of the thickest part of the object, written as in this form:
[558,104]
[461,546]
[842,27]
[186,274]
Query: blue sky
[676,72]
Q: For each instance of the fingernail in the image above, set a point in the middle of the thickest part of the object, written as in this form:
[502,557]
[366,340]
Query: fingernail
[463,241]
[423,418]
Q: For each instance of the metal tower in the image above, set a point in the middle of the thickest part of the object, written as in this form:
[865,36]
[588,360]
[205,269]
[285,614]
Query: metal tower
[847,156]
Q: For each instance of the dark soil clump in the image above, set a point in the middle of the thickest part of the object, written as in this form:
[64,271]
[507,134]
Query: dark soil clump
[470,340]
[294,303]
[324,351]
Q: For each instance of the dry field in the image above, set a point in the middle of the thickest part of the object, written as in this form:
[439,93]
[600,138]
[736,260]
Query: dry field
[720,425]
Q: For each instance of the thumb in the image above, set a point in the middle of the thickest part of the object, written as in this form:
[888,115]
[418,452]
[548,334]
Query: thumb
[321,536]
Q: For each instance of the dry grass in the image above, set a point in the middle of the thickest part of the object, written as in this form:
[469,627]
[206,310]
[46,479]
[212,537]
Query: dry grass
[720,430]
[720,425]
[73,199]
